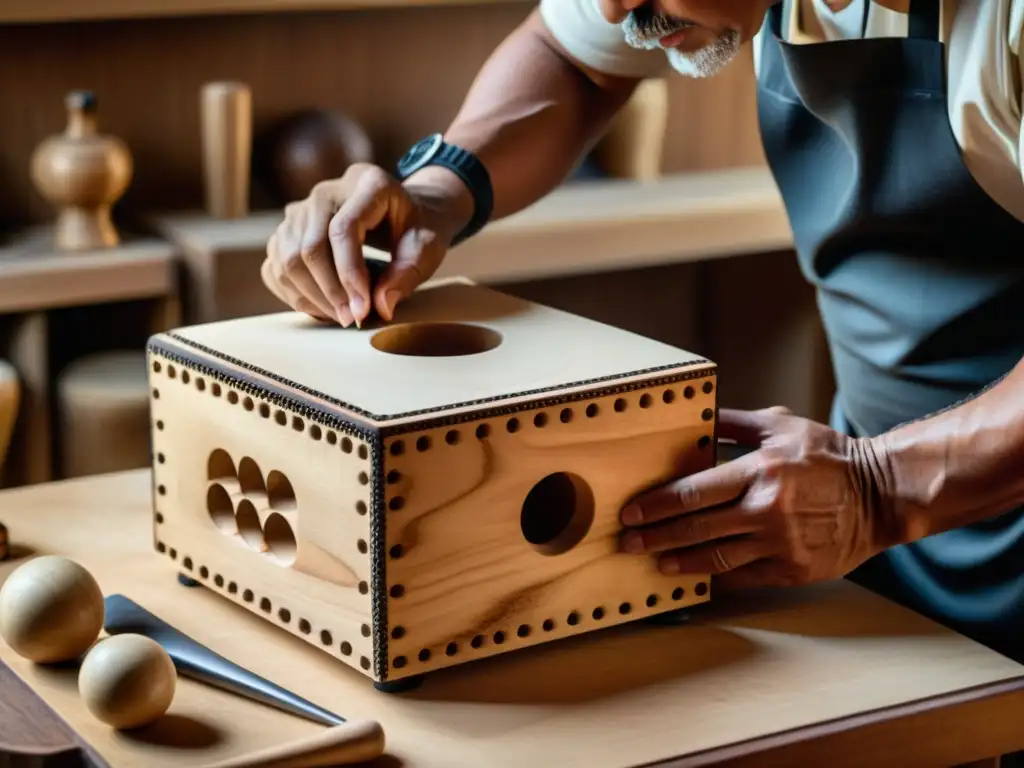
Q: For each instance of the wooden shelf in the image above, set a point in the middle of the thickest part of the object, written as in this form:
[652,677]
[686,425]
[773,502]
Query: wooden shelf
[601,226]
[35,277]
[585,227]
[37,11]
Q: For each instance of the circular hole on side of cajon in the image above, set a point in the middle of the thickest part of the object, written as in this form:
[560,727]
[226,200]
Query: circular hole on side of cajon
[220,466]
[557,513]
[249,528]
[218,504]
[280,538]
[435,339]
[280,493]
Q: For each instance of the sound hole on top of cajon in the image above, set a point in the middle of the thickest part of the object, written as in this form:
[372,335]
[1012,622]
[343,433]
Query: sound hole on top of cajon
[435,339]
[557,513]
[261,512]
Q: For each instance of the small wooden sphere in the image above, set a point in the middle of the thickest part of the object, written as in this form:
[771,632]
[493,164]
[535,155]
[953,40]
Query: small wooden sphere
[127,681]
[51,609]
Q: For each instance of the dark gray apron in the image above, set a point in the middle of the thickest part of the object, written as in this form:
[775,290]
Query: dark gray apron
[919,277]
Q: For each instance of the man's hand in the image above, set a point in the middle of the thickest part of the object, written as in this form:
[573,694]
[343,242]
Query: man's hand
[801,508]
[315,262]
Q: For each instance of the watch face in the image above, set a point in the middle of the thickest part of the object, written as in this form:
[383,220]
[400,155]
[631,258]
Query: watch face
[419,154]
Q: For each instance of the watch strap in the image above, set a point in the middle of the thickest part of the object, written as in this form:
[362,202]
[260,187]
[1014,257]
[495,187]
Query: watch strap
[468,167]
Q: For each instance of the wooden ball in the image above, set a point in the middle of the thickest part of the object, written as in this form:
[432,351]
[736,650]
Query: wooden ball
[317,145]
[127,681]
[51,609]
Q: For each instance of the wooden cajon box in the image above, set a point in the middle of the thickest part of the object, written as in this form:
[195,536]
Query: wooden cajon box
[411,496]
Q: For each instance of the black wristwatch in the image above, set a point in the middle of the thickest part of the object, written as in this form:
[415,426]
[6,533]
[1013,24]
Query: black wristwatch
[433,150]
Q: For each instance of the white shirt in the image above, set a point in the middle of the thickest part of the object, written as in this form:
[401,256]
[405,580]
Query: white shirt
[985,71]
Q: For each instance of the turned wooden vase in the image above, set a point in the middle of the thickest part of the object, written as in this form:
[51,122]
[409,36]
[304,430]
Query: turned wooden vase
[83,173]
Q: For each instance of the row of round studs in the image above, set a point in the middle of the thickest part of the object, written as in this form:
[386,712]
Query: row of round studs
[525,630]
[567,414]
[540,420]
[283,614]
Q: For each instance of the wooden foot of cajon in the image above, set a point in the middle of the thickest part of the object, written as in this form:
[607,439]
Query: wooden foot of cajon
[402,685]
[427,493]
[103,404]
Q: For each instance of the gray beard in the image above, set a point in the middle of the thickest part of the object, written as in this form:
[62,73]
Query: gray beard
[706,62]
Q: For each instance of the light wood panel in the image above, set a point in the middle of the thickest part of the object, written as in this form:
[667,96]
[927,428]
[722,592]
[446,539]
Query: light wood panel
[394,70]
[506,467]
[826,675]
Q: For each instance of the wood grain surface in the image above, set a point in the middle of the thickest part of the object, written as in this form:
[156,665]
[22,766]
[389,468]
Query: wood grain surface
[829,675]
[32,735]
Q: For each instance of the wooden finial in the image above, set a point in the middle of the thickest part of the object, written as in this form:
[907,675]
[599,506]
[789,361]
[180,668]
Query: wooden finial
[84,173]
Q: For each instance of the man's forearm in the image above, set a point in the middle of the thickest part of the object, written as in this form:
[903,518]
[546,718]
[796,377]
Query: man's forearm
[958,467]
[529,115]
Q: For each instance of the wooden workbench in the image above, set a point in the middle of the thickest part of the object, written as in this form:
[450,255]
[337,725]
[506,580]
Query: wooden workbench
[830,675]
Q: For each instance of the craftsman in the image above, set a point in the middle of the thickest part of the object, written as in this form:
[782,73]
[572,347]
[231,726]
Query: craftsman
[894,139]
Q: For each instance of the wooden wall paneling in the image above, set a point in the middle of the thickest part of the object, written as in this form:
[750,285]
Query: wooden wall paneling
[760,323]
[712,123]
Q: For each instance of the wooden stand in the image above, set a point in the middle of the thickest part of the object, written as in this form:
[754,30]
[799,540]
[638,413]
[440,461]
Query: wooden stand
[420,495]
[103,403]
[592,227]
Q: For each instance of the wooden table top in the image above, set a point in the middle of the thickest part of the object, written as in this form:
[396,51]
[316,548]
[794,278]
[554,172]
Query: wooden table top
[797,676]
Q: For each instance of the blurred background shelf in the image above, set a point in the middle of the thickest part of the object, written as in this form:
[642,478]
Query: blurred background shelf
[582,228]
[36,11]
[35,276]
